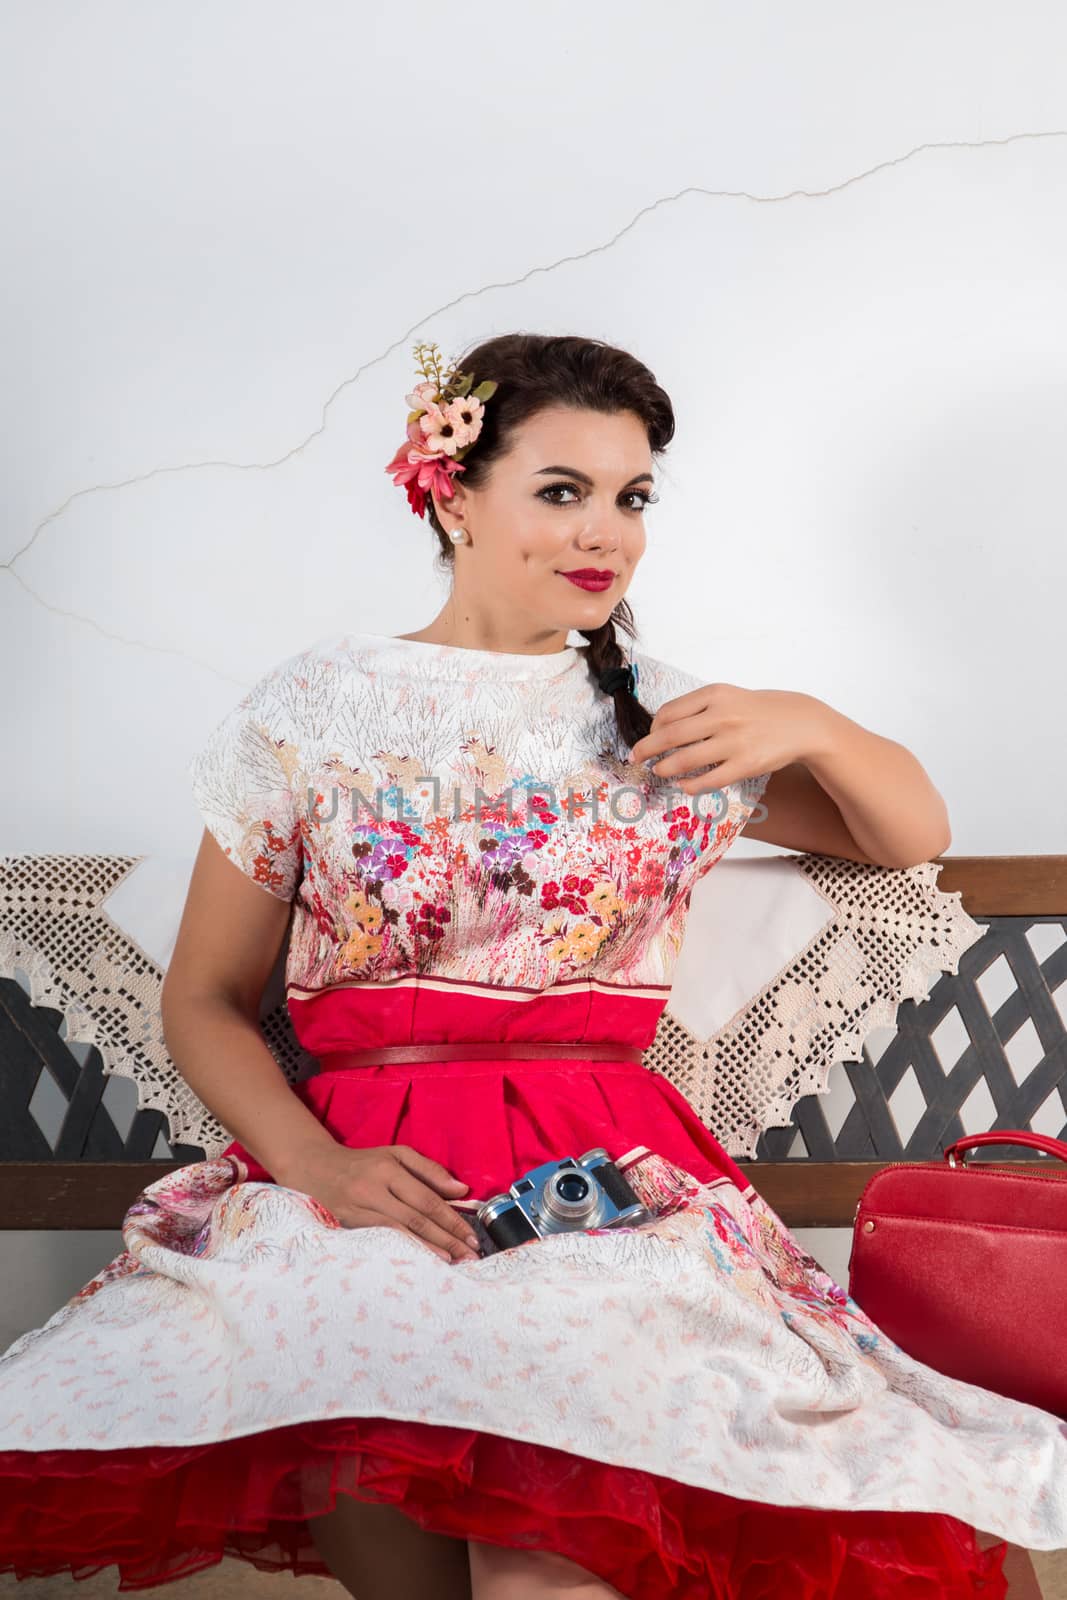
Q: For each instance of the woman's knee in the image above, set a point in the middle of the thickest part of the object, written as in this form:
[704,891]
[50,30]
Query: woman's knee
[499,1572]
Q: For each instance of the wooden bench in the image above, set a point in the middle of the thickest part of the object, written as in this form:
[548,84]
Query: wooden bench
[94,1173]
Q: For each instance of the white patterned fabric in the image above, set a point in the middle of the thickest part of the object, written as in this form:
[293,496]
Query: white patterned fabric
[432,735]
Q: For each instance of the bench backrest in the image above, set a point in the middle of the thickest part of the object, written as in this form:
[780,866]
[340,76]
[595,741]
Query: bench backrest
[1004,1014]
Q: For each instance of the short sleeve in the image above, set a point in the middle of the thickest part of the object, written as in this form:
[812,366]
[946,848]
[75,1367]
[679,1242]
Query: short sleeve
[658,682]
[243,782]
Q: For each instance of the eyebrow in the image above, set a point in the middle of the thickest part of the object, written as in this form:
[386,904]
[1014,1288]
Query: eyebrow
[583,477]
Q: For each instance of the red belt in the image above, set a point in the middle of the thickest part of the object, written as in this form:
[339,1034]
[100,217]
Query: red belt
[475,1050]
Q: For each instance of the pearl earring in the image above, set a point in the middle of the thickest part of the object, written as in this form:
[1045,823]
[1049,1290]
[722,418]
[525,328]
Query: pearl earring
[457,535]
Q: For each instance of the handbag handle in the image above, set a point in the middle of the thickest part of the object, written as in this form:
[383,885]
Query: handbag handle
[1036,1141]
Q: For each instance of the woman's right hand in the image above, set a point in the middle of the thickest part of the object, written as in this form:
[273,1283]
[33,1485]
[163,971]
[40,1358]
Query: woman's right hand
[390,1186]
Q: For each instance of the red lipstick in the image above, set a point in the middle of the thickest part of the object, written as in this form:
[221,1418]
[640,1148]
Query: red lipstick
[590,577]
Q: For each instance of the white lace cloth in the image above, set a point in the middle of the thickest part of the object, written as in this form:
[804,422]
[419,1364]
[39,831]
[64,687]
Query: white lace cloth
[820,952]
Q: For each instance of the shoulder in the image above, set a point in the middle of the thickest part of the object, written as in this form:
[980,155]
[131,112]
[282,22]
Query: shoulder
[660,681]
[272,710]
[298,680]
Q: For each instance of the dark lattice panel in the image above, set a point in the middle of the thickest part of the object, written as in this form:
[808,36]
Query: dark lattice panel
[58,1104]
[987,1049]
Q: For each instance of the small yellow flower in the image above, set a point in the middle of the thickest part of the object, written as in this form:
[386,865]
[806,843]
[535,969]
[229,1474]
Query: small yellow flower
[359,948]
[586,940]
[370,918]
[604,899]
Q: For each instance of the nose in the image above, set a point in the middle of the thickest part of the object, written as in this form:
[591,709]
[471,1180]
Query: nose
[600,538]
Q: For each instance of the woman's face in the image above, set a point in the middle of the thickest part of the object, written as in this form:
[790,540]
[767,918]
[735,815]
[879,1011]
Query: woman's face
[569,494]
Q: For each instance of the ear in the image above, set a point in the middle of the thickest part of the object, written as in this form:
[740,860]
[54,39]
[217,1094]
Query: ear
[451,511]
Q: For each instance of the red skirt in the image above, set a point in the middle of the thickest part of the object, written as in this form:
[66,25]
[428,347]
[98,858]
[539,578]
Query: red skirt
[160,1514]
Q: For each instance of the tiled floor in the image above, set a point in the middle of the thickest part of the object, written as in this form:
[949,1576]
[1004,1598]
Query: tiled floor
[1051,1569]
[1036,1574]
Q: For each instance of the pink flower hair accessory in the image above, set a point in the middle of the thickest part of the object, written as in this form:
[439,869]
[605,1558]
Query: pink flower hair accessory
[445,422]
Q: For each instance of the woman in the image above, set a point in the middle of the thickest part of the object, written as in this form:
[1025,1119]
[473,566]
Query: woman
[314,1353]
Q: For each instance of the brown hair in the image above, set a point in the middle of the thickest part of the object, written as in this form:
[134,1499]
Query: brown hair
[533,371]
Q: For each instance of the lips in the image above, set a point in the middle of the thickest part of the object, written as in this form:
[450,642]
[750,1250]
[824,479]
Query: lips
[590,578]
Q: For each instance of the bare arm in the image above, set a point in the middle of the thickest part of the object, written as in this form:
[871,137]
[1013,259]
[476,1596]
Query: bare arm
[229,938]
[857,795]
[228,941]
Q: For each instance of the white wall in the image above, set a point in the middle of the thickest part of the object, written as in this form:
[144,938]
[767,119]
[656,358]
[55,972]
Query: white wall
[837,234]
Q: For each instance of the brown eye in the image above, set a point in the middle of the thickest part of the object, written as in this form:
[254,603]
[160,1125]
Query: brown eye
[639,494]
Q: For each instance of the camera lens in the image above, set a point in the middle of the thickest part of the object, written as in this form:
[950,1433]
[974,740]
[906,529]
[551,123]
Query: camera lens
[570,1199]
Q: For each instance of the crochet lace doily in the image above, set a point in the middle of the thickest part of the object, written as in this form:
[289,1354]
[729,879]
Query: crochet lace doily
[891,935]
[54,927]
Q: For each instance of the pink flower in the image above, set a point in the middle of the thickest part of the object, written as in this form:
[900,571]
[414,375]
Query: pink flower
[439,431]
[422,397]
[421,470]
[465,415]
[453,427]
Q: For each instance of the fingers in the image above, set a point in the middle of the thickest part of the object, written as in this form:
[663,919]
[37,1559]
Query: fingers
[361,1218]
[430,1218]
[385,1186]
[429,1170]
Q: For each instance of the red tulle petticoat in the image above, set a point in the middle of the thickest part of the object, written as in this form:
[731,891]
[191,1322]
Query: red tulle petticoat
[162,1514]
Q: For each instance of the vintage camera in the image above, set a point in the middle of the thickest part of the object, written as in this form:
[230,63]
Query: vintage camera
[563,1196]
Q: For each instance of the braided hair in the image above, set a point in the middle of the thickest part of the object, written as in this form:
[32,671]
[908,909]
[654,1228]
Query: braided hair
[613,677]
[533,372]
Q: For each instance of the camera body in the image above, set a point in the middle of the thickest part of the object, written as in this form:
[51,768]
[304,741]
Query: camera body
[563,1196]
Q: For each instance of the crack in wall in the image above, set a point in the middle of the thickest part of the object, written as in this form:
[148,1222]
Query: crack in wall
[137,644]
[473,294]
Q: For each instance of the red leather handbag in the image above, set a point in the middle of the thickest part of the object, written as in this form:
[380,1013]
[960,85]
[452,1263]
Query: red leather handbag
[965,1268]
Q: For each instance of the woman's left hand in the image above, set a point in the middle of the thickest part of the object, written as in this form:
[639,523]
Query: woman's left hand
[746,732]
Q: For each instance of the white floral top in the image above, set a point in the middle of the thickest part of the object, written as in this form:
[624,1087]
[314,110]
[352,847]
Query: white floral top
[461,814]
